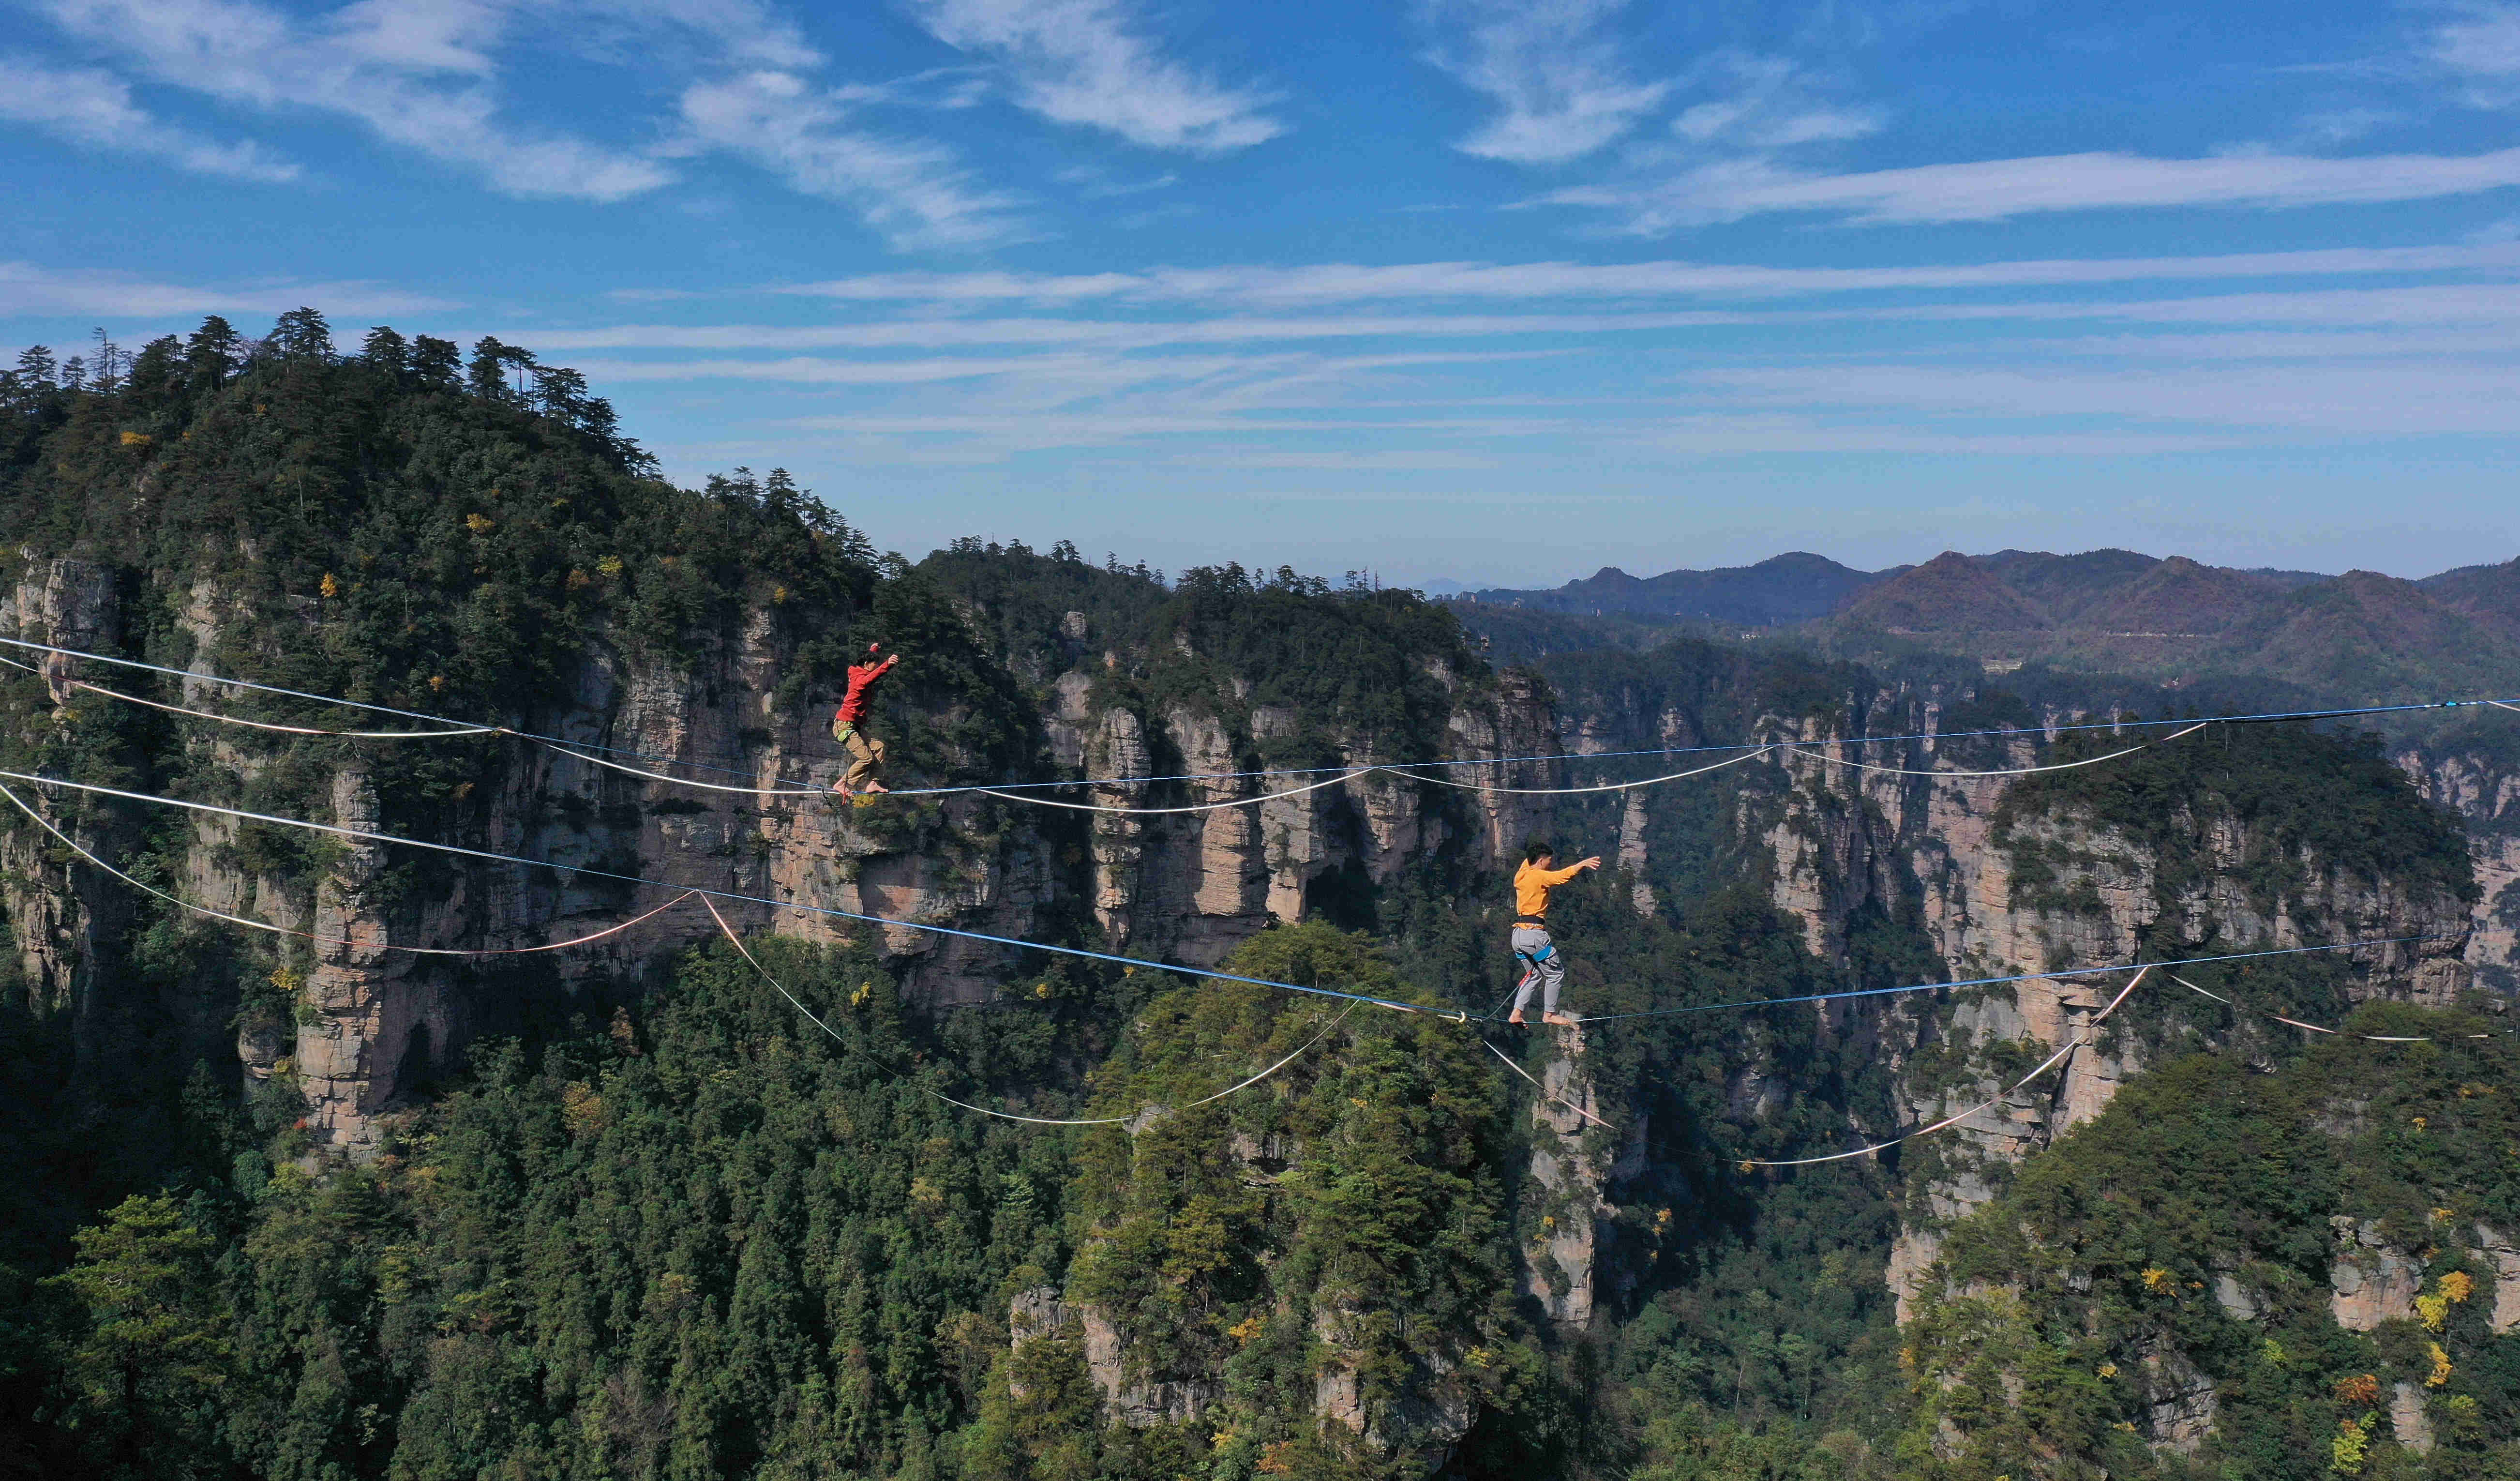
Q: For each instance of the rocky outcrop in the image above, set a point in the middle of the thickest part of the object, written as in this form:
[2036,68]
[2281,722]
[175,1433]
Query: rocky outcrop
[1940,852]
[2503,1253]
[1564,1259]
[2485,792]
[1431,1417]
[2407,1422]
[66,923]
[2370,1282]
[2180,1403]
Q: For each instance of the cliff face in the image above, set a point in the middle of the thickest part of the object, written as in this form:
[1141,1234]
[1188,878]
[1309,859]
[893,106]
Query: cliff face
[2048,884]
[371,1023]
[1974,873]
[2483,786]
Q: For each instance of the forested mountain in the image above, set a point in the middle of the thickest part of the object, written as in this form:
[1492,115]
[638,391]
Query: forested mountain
[1795,586]
[315,1207]
[2357,638]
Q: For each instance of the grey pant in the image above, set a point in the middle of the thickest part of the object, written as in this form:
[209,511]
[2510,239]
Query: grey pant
[1543,967]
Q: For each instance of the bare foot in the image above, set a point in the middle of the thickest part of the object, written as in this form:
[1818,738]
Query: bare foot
[1515,1018]
[876,787]
[1560,1019]
[841,790]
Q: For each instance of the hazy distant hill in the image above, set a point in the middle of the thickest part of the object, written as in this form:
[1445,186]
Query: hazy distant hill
[1950,593]
[2355,637]
[1782,590]
[2491,594]
[2372,637]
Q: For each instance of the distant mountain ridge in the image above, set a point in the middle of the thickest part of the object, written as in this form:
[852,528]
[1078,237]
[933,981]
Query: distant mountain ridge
[1779,591]
[2357,637]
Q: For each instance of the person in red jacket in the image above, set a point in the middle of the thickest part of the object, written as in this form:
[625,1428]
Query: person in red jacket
[866,753]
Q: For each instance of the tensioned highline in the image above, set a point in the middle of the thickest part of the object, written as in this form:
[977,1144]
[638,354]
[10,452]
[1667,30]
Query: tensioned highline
[1455,1014]
[688,894]
[463,728]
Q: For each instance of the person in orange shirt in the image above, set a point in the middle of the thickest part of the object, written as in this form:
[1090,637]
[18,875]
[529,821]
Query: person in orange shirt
[1543,965]
[866,753]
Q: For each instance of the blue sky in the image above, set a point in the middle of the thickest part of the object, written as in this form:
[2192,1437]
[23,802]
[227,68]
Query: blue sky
[1494,292]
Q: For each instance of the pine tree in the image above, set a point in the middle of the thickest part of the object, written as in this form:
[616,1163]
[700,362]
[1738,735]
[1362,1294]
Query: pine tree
[36,369]
[151,1352]
[489,374]
[108,366]
[561,392]
[436,362]
[387,350]
[302,332]
[214,352]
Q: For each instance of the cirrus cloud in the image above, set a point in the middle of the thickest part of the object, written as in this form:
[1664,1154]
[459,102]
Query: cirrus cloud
[1088,62]
[93,108]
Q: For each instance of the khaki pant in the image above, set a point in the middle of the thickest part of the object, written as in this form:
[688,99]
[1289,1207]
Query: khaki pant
[865,755]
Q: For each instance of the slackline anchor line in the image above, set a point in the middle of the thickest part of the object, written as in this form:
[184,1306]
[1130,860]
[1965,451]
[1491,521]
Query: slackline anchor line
[1009,792]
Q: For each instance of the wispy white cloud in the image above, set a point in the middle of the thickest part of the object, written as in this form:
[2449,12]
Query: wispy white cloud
[1345,283]
[2479,45]
[419,72]
[914,192]
[1762,105]
[742,33]
[93,108]
[57,293]
[1994,190]
[2344,125]
[1095,183]
[1648,360]
[431,75]
[2392,399]
[1555,69]
[1090,62]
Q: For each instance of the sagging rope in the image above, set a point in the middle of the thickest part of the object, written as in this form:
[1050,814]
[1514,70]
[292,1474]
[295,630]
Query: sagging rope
[1459,1016]
[2315,1028]
[708,897]
[1932,987]
[2016,771]
[1544,1090]
[1562,791]
[287,730]
[759,792]
[1409,768]
[1201,807]
[145,887]
[1455,1015]
[689,894]
[2045,1066]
